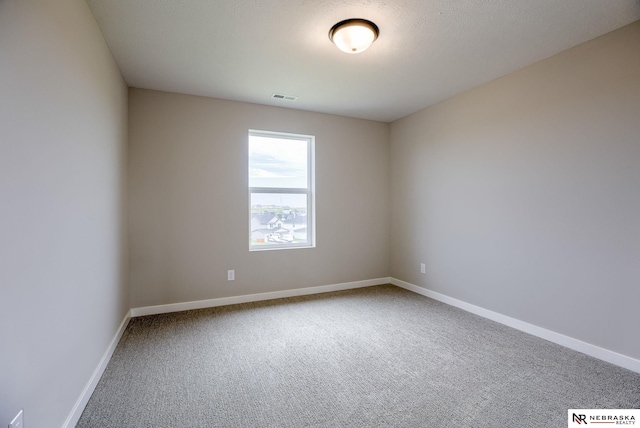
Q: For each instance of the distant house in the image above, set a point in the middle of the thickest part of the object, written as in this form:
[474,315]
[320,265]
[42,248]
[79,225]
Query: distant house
[296,220]
[266,220]
[261,235]
[267,227]
[272,235]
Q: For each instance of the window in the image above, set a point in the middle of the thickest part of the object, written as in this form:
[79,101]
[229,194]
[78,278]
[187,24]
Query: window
[281,197]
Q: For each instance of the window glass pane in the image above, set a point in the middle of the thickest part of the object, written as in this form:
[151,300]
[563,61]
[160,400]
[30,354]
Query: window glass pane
[277,162]
[278,219]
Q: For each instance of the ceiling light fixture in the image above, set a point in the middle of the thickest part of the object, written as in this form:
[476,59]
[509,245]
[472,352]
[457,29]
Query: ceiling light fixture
[354,35]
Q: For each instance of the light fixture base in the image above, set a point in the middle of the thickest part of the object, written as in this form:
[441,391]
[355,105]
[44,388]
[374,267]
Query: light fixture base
[354,35]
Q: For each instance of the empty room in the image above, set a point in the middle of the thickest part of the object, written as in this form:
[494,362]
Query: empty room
[319,214]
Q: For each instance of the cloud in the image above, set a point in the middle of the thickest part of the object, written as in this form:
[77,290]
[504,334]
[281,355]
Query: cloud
[270,166]
[277,162]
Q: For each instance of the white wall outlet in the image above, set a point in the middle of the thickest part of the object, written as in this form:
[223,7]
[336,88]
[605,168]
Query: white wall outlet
[423,268]
[231,275]
[17,422]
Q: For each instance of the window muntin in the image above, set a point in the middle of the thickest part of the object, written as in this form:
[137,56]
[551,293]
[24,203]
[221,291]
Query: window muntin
[281,202]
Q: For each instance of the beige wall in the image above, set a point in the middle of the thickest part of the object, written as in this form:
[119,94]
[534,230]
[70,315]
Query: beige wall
[63,130]
[188,201]
[522,196]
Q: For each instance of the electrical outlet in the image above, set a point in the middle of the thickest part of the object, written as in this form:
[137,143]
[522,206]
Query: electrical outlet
[17,422]
[231,275]
[423,268]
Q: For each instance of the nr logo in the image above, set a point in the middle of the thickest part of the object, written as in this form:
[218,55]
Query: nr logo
[580,419]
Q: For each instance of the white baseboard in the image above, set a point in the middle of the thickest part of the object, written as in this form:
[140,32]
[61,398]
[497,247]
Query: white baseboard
[569,342]
[82,401]
[210,303]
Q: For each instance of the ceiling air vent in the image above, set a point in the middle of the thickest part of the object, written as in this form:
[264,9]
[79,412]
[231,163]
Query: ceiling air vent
[284,97]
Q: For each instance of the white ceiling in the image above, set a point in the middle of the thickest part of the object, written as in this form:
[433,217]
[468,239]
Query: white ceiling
[427,51]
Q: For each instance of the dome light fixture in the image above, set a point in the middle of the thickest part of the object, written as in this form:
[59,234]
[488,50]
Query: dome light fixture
[354,35]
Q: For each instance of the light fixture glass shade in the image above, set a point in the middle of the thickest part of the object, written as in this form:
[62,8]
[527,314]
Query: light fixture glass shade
[354,35]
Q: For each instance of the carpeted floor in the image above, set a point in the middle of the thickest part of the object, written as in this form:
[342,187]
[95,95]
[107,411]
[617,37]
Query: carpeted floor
[372,357]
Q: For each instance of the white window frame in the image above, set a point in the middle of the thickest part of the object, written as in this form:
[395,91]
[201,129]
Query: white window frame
[309,191]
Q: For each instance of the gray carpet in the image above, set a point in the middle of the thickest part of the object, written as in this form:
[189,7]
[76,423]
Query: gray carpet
[372,357]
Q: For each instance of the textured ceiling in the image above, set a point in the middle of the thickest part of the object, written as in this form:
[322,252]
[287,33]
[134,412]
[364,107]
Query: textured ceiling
[427,51]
